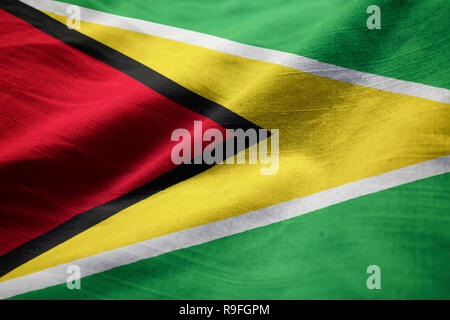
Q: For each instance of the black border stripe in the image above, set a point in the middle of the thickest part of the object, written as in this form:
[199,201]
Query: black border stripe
[148,77]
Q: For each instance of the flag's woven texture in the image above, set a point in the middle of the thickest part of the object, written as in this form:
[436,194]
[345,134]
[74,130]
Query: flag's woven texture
[87,176]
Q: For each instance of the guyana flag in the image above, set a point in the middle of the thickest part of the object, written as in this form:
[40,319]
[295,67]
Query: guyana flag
[93,205]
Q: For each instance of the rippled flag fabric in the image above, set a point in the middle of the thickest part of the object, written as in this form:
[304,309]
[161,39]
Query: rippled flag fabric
[86,175]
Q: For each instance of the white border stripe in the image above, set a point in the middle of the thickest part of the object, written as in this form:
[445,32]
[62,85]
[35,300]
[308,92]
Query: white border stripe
[223,228]
[248,51]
